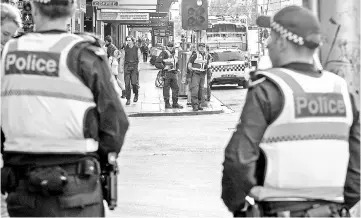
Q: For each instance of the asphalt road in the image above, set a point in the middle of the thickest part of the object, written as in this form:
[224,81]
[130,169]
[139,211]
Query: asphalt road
[172,166]
[232,96]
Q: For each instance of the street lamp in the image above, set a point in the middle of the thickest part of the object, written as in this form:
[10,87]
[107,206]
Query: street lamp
[199,2]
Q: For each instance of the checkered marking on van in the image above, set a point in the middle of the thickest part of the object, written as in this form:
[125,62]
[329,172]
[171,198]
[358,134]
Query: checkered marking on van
[225,68]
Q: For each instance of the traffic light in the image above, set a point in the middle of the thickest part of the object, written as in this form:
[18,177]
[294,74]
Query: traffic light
[195,14]
[26,14]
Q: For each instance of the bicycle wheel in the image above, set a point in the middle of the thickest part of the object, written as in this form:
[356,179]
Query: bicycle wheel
[159,81]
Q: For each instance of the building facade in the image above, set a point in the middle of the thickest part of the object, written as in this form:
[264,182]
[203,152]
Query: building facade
[270,7]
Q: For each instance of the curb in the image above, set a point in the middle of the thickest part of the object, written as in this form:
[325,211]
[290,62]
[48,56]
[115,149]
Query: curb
[223,104]
[164,114]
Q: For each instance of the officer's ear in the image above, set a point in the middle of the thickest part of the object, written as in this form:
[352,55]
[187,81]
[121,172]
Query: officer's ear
[282,43]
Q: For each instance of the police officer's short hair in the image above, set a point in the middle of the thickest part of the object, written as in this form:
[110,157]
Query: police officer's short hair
[108,38]
[56,8]
[10,13]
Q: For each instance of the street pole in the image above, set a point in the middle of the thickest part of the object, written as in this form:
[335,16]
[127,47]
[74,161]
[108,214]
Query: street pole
[344,59]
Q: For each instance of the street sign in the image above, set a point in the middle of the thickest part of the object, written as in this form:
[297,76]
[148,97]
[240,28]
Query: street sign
[122,16]
[160,24]
[105,3]
[141,29]
[82,5]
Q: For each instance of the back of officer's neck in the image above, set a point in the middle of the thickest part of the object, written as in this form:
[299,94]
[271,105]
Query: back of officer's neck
[294,59]
[58,24]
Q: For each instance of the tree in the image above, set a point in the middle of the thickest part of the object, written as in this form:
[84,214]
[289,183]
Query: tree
[235,8]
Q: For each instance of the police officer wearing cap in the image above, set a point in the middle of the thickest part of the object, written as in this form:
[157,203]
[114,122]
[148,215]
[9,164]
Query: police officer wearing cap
[169,62]
[299,131]
[196,77]
[57,101]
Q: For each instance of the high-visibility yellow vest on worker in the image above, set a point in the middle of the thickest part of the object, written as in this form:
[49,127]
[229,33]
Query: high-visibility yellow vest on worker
[52,101]
[306,147]
[200,62]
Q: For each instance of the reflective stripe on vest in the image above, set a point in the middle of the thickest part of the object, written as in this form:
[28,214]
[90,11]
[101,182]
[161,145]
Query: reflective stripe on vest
[44,104]
[306,147]
[199,62]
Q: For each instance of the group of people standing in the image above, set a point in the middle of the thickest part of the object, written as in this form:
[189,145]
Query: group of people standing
[196,75]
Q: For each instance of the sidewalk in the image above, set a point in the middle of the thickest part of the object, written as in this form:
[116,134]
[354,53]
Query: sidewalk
[151,102]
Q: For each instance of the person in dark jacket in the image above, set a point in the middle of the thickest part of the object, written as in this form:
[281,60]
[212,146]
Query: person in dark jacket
[318,150]
[58,129]
[132,55]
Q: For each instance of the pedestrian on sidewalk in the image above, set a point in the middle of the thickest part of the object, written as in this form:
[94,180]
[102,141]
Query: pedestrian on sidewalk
[10,24]
[120,78]
[145,52]
[56,147]
[198,66]
[132,55]
[169,63]
[110,46]
[286,133]
[114,65]
[209,75]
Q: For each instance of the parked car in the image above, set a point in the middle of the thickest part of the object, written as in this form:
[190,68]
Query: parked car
[229,66]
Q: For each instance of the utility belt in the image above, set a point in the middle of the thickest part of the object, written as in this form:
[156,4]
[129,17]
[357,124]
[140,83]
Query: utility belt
[47,180]
[295,209]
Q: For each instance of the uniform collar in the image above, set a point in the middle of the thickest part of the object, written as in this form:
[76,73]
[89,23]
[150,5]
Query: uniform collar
[308,69]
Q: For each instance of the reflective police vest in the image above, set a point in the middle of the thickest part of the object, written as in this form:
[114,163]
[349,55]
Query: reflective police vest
[170,61]
[306,147]
[44,104]
[200,62]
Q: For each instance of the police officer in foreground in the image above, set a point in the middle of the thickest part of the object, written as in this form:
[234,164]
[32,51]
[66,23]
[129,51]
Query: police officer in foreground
[299,131]
[131,68]
[60,117]
[166,57]
[196,77]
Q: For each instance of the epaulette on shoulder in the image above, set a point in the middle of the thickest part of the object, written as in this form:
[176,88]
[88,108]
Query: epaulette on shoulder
[93,39]
[256,82]
[98,51]
[255,78]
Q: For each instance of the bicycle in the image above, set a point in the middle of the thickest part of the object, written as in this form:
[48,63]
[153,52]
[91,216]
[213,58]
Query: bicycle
[159,80]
